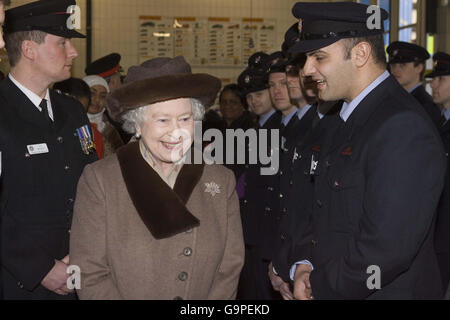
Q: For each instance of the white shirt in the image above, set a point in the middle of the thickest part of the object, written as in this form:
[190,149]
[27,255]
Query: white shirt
[302,111]
[34,98]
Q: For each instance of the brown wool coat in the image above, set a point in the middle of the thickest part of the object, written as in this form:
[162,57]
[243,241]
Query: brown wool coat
[192,252]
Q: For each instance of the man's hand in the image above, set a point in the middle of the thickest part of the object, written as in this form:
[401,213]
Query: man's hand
[302,286]
[56,279]
[279,285]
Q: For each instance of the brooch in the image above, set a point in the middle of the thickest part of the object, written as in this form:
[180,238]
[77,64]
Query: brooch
[212,188]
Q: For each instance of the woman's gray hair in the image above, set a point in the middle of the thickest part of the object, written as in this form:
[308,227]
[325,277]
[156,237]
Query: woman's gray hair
[136,117]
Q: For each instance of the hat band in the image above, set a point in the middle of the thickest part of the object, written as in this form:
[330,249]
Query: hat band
[402,58]
[109,72]
[337,35]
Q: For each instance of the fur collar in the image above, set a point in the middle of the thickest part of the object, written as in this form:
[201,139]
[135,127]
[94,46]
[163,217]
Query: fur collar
[162,209]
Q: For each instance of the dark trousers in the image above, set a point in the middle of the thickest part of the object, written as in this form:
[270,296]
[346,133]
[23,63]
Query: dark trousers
[254,283]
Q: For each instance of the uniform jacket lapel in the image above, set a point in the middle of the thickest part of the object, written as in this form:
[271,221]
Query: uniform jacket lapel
[346,131]
[20,104]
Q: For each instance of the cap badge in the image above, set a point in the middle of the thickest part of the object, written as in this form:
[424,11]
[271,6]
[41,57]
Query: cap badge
[247,79]
[300,25]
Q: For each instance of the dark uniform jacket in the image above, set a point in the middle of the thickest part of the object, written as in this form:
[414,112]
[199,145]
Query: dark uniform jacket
[246,121]
[37,190]
[442,239]
[377,187]
[261,197]
[296,182]
[426,101]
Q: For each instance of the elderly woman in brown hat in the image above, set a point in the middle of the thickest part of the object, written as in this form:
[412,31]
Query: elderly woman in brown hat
[147,223]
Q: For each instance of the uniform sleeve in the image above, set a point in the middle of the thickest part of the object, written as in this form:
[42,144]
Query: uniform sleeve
[404,179]
[88,240]
[227,277]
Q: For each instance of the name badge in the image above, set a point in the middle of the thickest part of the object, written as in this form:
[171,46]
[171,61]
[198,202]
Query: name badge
[37,148]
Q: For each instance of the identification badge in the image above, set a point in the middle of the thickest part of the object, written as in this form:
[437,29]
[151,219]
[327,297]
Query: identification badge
[37,148]
[314,165]
[86,141]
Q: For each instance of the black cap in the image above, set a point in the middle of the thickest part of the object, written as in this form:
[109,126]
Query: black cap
[291,37]
[257,60]
[276,62]
[441,65]
[105,66]
[49,16]
[323,24]
[404,52]
[253,80]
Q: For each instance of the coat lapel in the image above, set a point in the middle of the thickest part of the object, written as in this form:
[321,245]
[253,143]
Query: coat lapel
[162,209]
[21,104]
[346,131]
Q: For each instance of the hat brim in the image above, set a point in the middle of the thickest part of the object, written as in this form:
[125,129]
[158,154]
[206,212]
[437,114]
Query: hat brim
[203,87]
[435,74]
[305,46]
[69,34]
[255,89]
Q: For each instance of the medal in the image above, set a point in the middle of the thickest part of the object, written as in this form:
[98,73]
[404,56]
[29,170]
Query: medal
[86,141]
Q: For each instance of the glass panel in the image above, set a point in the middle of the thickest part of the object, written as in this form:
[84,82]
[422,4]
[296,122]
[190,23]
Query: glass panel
[408,12]
[408,34]
[386,5]
[364,2]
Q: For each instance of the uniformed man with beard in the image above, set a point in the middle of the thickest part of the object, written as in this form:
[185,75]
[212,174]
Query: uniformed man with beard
[380,173]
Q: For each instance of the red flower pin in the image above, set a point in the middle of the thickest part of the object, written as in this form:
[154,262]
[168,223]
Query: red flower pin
[347,151]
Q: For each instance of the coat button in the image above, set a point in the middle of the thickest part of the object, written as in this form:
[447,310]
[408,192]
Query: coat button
[187,252]
[66,167]
[178,298]
[60,139]
[20,285]
[282,237]
[270,188]
[268,209]
[336,184]
[291,183]
[281,173]
[314,242]
[27,155]
[285,210]
[281,195]
[183,276]
[319,204]
[70,201]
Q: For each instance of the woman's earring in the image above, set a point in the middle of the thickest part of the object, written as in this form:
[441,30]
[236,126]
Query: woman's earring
[137,135]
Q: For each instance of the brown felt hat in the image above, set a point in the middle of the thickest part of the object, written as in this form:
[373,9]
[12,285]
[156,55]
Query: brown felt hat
[158,80]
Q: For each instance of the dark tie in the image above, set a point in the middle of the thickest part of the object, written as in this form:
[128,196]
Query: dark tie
[443,121]
[44,112]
